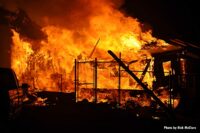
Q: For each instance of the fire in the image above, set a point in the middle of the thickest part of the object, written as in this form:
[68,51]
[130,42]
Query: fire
[49,64]
[20,55]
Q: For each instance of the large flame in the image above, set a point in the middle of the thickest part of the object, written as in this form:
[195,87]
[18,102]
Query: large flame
[49,64]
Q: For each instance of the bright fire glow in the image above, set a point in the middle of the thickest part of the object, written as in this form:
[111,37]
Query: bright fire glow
[49,64]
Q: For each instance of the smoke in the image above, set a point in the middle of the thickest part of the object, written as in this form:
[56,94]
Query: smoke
[71,14]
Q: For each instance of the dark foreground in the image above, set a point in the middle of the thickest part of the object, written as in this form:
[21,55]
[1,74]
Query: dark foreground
[65,116]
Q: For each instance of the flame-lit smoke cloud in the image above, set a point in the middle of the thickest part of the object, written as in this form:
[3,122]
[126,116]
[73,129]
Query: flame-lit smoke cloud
[72,14]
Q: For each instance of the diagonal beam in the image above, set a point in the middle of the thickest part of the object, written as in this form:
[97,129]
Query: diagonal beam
[145,70]
[94,48]
[146,89]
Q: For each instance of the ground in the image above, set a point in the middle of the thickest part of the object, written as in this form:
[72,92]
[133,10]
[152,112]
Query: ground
[68,116]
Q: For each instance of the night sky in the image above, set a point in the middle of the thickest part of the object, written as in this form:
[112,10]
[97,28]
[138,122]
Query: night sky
[169,19]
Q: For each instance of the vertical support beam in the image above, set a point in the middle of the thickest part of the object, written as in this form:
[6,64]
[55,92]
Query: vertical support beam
[95,80]
[119,82]
[170,91]
[75,79]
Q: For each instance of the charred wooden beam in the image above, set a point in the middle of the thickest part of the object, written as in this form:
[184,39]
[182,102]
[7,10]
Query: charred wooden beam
[146,89]
[90,56]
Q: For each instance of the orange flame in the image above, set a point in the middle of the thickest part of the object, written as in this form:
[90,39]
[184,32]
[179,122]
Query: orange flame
[50,66]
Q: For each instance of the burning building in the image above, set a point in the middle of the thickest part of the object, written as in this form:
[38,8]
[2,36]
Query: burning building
[69,53]
[63,45]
